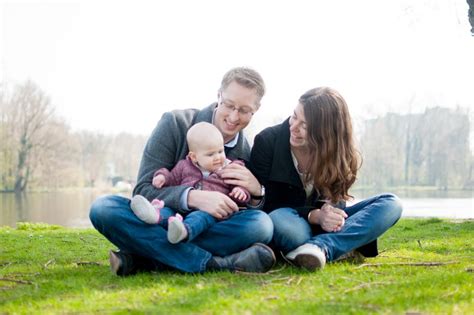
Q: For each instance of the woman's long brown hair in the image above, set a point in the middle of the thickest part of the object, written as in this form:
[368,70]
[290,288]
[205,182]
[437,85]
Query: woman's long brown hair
[334,158]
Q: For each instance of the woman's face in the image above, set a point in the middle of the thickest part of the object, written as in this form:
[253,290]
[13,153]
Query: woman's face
[298,132]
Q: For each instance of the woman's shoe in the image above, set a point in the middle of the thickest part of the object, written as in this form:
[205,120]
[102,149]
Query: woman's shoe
[307,256]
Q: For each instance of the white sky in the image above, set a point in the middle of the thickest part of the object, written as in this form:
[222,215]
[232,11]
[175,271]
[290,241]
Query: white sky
[114,66]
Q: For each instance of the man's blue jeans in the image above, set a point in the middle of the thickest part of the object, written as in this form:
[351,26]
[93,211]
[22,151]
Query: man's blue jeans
[367,220]
[112,217]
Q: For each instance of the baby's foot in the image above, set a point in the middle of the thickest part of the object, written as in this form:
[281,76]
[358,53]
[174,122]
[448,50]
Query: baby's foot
[146,211]
[176,229]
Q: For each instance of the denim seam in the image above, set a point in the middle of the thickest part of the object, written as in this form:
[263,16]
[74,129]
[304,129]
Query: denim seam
[205,261]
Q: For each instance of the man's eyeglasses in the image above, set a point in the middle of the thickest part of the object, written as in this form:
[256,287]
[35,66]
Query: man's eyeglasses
[243,111]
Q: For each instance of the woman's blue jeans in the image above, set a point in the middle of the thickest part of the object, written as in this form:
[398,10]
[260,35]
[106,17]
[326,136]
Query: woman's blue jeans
[113,218]
[367,220]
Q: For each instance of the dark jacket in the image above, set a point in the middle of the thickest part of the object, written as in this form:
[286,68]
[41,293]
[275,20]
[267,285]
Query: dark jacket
[272,164]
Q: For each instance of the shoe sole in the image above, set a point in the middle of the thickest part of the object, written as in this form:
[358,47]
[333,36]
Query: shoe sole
[308,262]
[144,210]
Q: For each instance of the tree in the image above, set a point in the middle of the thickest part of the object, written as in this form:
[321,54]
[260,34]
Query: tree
[430,149]
[470,14]
[125,154]
[28,122]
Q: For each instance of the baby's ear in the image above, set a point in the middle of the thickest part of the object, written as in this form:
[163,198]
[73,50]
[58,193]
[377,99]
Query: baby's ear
[192,156]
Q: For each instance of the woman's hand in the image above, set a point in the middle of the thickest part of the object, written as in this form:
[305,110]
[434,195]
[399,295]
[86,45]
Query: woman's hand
[238,175]
[330,219]
[215,203]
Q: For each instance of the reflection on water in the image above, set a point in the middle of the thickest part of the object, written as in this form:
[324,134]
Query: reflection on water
[71,209]
[416,194]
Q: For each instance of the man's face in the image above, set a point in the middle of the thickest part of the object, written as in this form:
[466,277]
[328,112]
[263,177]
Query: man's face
[236,106]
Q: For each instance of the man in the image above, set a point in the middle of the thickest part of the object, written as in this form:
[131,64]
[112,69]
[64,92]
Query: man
[236,243]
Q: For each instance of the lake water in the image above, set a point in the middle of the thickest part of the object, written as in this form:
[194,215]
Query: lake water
[71,209]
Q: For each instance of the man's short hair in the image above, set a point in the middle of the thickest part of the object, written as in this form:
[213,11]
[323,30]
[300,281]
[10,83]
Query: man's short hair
[247,77]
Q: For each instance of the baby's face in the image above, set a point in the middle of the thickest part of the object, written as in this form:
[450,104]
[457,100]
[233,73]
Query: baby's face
[211,156]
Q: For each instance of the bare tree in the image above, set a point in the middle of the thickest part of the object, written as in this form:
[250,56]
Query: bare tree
[6,156]
[93,153]
[39,151]
[125,154]
[428,149]
[470,15]
[26,117]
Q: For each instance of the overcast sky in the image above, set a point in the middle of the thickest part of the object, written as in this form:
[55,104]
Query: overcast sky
[114,66]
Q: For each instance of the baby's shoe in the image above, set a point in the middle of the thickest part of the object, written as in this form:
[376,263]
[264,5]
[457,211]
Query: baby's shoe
[176,229]
[146,211]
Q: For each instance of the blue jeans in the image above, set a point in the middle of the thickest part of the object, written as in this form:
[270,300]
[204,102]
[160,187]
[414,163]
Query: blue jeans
[197,222]
[367,220]
[113,218]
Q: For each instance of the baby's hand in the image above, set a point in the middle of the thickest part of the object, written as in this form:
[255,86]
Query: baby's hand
[238,193]
[159,180]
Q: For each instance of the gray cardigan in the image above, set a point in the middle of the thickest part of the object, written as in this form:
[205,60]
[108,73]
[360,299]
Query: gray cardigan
[167,145]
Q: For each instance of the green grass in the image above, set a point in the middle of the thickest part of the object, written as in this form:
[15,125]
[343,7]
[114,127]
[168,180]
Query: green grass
[48,269]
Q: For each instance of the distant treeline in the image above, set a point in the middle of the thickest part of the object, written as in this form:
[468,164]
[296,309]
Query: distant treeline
[428,149]
[39,151]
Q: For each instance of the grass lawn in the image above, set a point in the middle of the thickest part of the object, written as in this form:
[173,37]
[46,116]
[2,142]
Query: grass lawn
[425,266]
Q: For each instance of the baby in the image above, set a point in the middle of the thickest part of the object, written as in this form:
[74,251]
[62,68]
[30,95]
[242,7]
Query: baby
[199,170]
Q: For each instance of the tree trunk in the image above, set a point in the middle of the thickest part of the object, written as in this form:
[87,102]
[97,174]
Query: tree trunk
[21,180]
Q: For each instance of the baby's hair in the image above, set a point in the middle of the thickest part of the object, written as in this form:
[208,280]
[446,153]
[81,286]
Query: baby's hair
[200,133]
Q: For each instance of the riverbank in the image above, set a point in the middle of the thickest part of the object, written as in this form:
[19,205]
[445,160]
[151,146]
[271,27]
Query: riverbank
[71,208]
[424,266]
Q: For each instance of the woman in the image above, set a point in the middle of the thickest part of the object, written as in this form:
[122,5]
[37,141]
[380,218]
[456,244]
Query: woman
[307,165]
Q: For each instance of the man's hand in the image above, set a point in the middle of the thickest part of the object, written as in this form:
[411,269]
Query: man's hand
[215,203]
[238,175]
[238,193]
[330,219]
[159,180]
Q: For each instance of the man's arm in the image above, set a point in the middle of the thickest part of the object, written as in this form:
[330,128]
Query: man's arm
[238,175]
[162,151]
